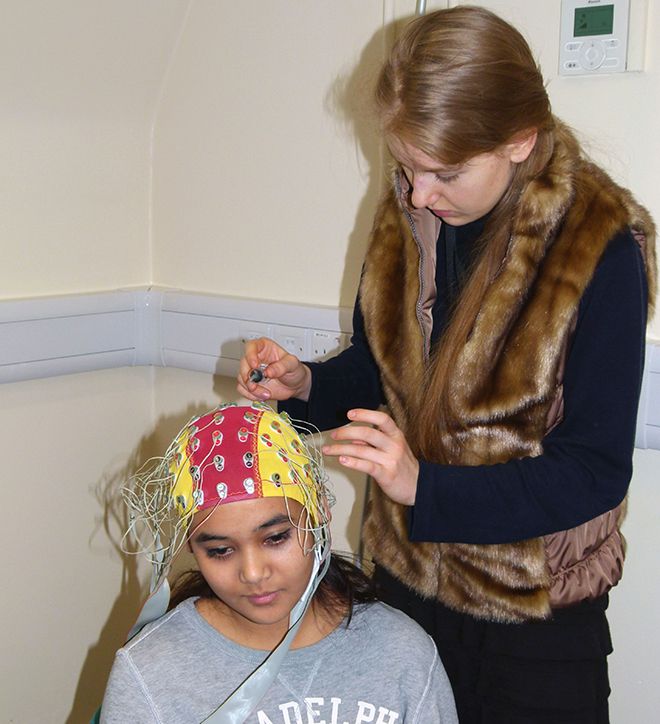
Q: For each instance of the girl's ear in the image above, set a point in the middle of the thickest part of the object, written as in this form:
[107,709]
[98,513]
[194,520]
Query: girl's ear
[519,148]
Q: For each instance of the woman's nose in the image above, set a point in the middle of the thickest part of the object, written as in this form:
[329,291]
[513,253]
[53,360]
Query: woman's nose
[254,567]
[424,192]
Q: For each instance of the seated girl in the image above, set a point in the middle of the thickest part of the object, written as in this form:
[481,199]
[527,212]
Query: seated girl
[271,628]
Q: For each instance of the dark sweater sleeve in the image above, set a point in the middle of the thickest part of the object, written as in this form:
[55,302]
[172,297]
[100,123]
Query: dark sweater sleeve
[586,464]
[351,379]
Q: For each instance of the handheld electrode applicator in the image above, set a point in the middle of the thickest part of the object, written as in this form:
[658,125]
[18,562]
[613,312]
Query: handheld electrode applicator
[257,374]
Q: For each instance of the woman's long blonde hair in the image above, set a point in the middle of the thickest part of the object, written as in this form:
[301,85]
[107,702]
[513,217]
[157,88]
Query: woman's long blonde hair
[459,83]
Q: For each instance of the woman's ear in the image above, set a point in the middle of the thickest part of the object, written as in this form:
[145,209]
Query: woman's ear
[522,145]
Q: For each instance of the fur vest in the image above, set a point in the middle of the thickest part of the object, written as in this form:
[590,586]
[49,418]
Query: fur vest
[506,385]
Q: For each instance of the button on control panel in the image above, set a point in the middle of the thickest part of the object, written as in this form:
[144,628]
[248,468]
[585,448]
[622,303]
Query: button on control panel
[594,36]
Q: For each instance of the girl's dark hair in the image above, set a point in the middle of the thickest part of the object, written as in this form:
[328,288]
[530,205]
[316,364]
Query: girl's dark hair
[343,586]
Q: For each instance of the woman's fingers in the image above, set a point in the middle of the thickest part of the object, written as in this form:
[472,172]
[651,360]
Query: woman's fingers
[378,448]
[282,366]
[279,375]
[374,417]
[384,435]
[361,433]
[358,451]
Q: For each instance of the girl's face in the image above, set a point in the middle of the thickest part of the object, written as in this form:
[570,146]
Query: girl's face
[250,555]
[464,193]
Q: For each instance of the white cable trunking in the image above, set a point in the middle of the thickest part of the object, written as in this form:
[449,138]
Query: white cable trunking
[48,336]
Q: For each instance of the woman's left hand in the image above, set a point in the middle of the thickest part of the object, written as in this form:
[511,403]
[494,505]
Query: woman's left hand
[380,451]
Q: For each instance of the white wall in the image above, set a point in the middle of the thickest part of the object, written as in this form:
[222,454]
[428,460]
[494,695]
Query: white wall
[66,442]
[259,182]
[633,612]
[220,147]
[79,81]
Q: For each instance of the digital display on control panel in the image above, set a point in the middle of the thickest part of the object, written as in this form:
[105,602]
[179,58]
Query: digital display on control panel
[597,20]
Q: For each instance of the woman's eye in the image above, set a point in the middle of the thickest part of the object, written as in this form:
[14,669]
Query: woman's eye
[279,538]
[446,179]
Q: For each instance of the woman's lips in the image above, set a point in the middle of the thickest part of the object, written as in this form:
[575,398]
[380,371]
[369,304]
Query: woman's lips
[262,599]
[442,213]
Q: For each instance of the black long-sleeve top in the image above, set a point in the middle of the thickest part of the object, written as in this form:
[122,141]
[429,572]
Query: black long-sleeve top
[586,464]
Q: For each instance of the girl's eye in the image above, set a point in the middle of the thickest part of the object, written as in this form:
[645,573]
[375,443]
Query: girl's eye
[218,552]
[279,538]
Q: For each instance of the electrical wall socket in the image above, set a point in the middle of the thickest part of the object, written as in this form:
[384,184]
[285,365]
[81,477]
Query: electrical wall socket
[304,343]
[254,330]
[293,339]
[326,344]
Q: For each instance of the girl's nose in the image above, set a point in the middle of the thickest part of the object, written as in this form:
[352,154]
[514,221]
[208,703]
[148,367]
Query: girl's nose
[424,192]
[254,567]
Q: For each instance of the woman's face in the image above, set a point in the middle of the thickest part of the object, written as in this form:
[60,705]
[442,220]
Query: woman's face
[464,193]
[250,556]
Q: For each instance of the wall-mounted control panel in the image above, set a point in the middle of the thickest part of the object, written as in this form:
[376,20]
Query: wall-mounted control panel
[594,36]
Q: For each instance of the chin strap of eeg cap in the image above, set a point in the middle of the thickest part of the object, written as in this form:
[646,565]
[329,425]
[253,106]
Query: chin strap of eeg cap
[241,703]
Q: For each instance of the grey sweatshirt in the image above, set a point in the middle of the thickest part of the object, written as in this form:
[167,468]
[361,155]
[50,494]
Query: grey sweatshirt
[382,669]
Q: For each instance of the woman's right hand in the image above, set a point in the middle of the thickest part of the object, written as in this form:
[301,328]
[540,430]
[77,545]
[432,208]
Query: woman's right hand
[285,375]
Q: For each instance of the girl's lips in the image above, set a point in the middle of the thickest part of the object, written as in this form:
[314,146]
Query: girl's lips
[441,213]
[262,599]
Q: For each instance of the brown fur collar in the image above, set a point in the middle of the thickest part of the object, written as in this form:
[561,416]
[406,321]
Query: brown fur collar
[508,375]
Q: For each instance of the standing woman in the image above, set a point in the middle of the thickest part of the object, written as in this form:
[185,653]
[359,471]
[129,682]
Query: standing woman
[501,318]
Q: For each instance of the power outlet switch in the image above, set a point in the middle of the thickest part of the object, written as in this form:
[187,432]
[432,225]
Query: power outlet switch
[326,344]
